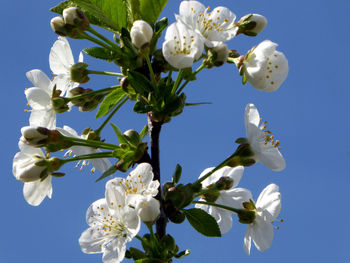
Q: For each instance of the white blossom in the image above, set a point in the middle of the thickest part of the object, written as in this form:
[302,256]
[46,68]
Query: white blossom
[137,184]
[233,197]
[39,99]
[214,27]
[148,208]
[265,67]
[141,33]
[110,229]
[264,146]
[25,170]
[268,207]
[182,46]
[61,59]
[101,164]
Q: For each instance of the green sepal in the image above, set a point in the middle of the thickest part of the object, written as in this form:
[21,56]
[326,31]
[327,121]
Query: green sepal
[111,170]
[108,14]
[119,134]
[102,53]
[203,222]
[149,260]
[244,79]
[110,102]
[177,174]
[141,106]
[136,253]
[197,104]
[187,74]
[183,253]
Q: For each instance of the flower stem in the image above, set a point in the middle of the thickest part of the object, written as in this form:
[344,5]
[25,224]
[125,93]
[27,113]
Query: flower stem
[177,81]
[104,73]
[93,31]
[90,143]
[99,129]
[154,132]
[106,90]
[187,81]
[88,156]
[154,82]
[234,210]
[92,39]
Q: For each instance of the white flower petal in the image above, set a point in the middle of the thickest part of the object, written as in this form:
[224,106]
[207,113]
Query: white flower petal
[43,118]
[270,200]
[235,197]
[96,211]
[251,115]
[114,251]
[35,192]
[39,79]
[92,240]
[115,195]
[61,57]
[81,57]
[247,240]
[262,235]
[142,173]
[38,98]
[223,218]
[272,159]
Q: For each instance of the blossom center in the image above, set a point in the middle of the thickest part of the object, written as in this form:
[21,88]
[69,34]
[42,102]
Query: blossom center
[267,136]
[182,46]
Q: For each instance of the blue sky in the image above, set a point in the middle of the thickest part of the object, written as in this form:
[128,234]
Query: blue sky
[308,114]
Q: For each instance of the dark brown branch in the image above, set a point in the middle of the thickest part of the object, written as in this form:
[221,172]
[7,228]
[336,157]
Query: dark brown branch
[154,131]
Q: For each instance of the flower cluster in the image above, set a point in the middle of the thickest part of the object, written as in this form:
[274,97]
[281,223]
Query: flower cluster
[115,219]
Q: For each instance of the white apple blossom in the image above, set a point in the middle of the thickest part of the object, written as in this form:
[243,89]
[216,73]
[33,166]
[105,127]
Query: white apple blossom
[101,164]
[267,208]
[25,170]
[39,99]
[265,67]
[137,184]
[214,27]
[61,59]
[233,197]
[110,229]
[141,33]
[182,46]
[265,148]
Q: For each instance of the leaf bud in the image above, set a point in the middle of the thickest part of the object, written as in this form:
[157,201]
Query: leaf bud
[224,183]
[251,24]
[79,73]
[132,137]
[141,33]
[75,17]
[59,26]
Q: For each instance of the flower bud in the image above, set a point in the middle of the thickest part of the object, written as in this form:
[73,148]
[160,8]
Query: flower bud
[148,209]
[59,26]
[75,17]
[141,33]
[26,170]
[217,56]
[34,136]
[252,24]
[78,73]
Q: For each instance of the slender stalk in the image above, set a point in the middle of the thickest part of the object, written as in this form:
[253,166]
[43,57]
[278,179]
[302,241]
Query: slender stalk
[187,81]
[234,210]
[154,131]
[90,143]
[92,39]
[93,31]
[154,82]
[105,73]
[177,81]
[88,156]
[99,129]
[106,90]
[169,78]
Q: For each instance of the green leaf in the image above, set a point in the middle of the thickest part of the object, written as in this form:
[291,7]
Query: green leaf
[110,102]
[119,134]
[203,222]
[108,14]
[111,170]
[140,83]
[144,132]
[151,9]
[177,174]
[100,53]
